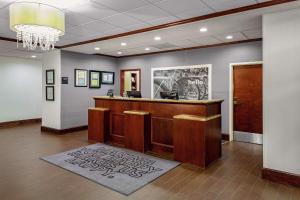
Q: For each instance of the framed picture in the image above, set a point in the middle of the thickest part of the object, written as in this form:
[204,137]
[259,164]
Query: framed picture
[50,80]
[94,79]
[108,78]
[81,76]
[190,82]
[49,93]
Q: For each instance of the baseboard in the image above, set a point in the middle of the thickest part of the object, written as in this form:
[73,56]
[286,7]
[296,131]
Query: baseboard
[19,122]
[281,177]
[63,131]
[225,136]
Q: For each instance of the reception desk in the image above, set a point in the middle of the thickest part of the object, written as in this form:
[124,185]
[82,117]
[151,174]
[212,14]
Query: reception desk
[189,129]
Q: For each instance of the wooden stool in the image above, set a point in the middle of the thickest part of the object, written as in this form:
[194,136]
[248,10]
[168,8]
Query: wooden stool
[197,139]
[98,124]
[137,130]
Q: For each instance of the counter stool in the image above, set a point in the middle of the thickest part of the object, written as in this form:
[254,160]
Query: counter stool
[137,127]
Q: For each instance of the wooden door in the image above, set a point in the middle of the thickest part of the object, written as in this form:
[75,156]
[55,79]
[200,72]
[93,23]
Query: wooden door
[248,98]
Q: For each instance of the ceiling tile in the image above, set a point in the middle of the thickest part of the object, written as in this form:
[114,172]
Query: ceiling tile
[236,37]
[122,5]
[220,5]
[184,43]
[121,20]
[253,33]
[180,6]
[76,19]
[148,13]
[93,10]
[137,26]
[163,20]
[98,26]
[209,40]
[193,13]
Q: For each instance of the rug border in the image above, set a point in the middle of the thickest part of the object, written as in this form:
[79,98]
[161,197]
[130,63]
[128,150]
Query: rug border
[178,164]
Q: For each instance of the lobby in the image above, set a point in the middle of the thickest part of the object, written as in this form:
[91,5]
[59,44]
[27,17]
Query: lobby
[149,99]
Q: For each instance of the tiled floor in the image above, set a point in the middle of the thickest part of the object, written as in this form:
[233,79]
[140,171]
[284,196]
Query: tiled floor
[24,176]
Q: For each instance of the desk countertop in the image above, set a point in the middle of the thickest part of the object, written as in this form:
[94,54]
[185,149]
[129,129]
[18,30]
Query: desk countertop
[159,100]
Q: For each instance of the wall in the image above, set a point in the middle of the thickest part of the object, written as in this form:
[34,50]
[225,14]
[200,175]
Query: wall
[75,101]
[21,89]
[51,109]
[281,49]
[219,57]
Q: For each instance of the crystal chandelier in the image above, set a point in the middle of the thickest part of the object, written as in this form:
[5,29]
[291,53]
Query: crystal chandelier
[36,24]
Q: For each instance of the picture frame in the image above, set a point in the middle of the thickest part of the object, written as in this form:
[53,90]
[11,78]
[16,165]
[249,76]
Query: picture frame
[107,78]
[94,79]
[50,93]
[50,77]
[193,81]
[81,78]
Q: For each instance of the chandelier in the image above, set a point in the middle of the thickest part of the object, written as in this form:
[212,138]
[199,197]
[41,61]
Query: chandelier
[36,24]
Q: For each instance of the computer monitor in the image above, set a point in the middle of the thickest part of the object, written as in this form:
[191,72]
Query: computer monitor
[134,94]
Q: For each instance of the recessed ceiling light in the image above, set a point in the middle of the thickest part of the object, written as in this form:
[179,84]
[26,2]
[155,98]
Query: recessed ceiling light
[229,37]
[33,56]
[203,29]
[123,44]
[147,49]
[97,48]
[157,38]
[119,52]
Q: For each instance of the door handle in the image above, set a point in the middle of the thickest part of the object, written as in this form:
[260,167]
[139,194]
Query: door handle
[235,101]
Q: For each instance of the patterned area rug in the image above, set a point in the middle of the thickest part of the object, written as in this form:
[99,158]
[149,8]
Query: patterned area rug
[119,169]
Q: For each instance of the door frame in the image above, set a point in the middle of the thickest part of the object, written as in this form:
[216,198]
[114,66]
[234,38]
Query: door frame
[133,69]
[231,87]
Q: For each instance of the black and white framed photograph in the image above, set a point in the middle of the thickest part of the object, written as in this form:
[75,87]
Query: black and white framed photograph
[191,82]
[50,93]
[108,77]
[81,78]
[94,79]
[50,77]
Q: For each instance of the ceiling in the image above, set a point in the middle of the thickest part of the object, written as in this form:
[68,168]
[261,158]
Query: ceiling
[90,19]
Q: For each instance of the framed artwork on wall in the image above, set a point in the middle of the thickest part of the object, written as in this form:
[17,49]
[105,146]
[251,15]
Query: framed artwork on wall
[108,78]
[94,79]
[50,93]
[81,78]
[50,77]
[190,82]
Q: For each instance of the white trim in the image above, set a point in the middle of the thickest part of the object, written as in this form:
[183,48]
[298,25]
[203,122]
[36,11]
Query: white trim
[231,65]
[209,66]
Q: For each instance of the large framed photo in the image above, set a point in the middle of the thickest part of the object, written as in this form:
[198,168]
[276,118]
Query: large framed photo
[191,82]
[108,77]
[95,79]
[81,78]
[50,77]
[50,93]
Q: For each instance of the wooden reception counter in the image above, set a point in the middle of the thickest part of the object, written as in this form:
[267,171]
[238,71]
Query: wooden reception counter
[189,129]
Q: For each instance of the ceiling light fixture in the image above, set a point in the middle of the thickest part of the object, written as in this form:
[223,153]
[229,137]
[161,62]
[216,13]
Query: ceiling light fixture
[33,56]
[157,38]
[203,29]
[36,24]
[229,37]
[119,52]
[97,48]
[123,44]
[147,49]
